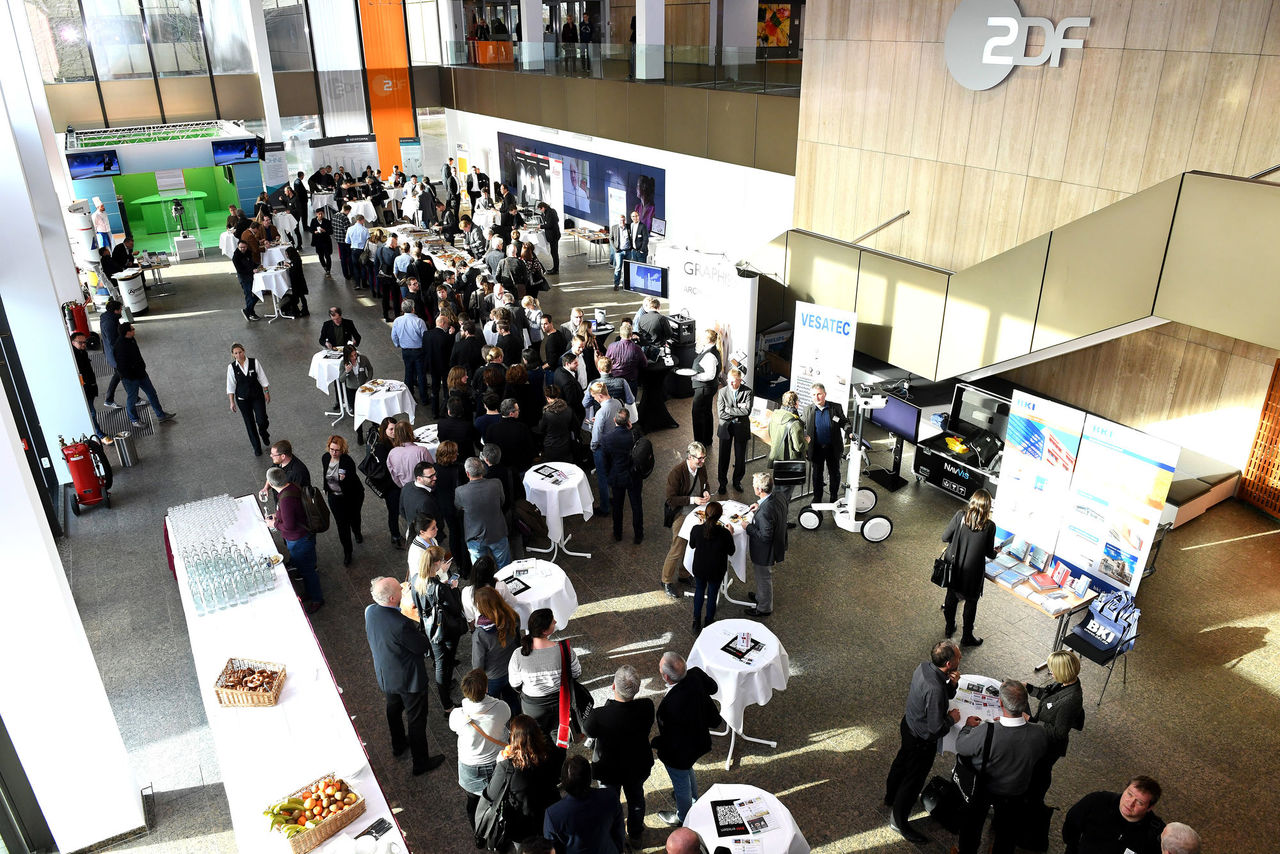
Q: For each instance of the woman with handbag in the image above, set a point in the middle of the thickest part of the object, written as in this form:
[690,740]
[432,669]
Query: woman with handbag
[344,492]
[494,641]
[435,593]
[481,725]
[536,671]
[379,478]
[973,537]
[525,780]
[712,543]
[557,428]
[1061,710]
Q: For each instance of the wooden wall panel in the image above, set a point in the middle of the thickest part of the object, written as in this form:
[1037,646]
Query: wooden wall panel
[930,98]
[1242,24]
[1260,137]
[903,103]
[1131,116]
[1053,123]
[1218,126]
[1181,86]
[1193,25]
[879,94]
[1149,22]
[1091,120]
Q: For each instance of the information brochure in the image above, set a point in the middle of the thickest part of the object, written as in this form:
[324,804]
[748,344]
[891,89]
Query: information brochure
[728,820]
[757,815]
[551,473]
[746,655]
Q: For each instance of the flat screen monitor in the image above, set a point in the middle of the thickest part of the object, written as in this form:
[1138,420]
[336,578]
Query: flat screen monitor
[647,279]
[898,417]
[229,151]
[659,227]
[99,163]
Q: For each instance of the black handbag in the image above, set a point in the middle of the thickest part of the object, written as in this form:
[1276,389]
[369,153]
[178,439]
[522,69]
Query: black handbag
[966,777]
[491,819]
[444,624]
[376,476]
[944,568]
[669,514]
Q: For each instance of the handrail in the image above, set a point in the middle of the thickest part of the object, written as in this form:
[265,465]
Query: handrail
[1264,172]
[881,227]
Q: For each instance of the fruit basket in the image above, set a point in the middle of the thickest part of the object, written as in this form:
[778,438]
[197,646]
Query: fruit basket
[249,682]
[316,812]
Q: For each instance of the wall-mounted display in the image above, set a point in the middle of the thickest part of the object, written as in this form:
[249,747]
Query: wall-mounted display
[229,151]
[98,163]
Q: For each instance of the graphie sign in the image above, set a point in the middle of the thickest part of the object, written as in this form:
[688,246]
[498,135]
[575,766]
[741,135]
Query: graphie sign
[987,39]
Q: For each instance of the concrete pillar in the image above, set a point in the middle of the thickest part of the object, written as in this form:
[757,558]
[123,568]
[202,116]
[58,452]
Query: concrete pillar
[453,31]
[650,39]
[531,54]
[262,59]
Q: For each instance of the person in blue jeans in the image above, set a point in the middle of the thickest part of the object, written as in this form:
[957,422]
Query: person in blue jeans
[291,521]
[606,407]
[133,373]
[685,717]
[479,501]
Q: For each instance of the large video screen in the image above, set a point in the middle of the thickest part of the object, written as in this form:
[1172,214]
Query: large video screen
[647,279]
[596,188]
[99,163]
[898,417]
[229,151]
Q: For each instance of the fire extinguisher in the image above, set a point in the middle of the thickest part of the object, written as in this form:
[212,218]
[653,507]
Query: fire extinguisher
[77,320]
[90,472]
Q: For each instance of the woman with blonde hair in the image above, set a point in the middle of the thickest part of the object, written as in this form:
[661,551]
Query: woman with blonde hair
[1061,710]
[496,637]
[434,589]
[972,538]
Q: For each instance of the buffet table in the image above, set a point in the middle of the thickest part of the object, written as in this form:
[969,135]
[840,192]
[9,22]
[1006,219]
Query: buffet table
[256,772]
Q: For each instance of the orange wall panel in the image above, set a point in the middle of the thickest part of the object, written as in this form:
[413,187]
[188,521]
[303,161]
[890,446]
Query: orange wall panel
[386,58]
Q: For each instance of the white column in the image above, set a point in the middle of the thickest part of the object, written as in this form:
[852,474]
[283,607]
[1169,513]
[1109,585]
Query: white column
[36,282]
[262,59]
[531,58]
[453,32]
[650,39]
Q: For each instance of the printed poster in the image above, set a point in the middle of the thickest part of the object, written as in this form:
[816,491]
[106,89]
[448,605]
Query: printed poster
[1122,478]
[822,351]
[1041,444]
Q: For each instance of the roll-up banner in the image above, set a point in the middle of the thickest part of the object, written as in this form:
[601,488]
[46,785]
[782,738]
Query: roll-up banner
[709,289]
[275,170]
[822,351]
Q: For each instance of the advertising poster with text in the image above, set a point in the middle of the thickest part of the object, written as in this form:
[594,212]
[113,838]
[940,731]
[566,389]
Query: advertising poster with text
[1041,444]
[1121,480]
[822,351]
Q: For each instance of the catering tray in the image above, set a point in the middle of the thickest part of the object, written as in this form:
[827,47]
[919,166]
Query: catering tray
[232,696]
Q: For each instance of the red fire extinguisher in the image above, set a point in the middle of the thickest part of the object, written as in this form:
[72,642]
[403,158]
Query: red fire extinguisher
[90,472]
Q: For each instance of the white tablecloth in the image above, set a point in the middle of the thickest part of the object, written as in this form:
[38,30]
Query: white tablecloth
[541,248]
[737,560]
[227,243]
[322,200]
[409,207]
[392,399]
[272,627]
[785,839]
[972,698]
[549,587]
[325,370]
[273,255]
[484,218]
[558,500]
[275,282]
[428,436]
[284,222]
[395,194]
[363,207]
[742,683]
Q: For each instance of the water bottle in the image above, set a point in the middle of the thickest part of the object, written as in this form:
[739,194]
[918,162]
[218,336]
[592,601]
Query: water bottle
[198,598]
[242,587]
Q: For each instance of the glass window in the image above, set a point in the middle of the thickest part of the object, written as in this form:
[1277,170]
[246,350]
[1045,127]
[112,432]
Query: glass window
[297,130]
[227,31]
[176,43]
[119,45]
[287,35]
[58,31]
[424,31]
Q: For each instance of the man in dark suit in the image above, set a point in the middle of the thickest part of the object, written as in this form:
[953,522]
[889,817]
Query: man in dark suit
[467,350]
[439,348]
[122,255]
[337,331]
[452,193]
[242,261]
[472,237]
[639,239]
[566,379]
[825,426]
[300,190]
[398,647]
[555,342]
[551,228]
[766,540]
[926,720]
[620,248]
[624,759]
[685,718]
[1016,746]
[515,439]
[456,428]
[418,496]
[446,170]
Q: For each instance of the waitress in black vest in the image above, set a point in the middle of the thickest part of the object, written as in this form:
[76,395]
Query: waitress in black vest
[706,383]
[248,389]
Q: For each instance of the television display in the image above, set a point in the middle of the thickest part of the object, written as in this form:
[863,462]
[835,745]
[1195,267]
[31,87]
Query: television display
[229,151]
[647,279]
[659,228]
[99,163]
[898,417]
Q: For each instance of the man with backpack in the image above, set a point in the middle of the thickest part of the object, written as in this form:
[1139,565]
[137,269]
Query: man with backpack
[290,519]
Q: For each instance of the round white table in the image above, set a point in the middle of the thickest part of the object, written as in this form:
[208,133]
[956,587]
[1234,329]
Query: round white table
[737,560]
[978,696]
[786,838]
[558,490]
[322,200]
[409,206]
[274,282]
[326,368]
[484,218]
[548,587]
[428,435]
[392,397]
[227,243]
[749,681]
[273,255]
[364,207]
[541,248]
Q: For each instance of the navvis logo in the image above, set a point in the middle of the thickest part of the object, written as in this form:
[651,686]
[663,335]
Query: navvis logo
[987,38]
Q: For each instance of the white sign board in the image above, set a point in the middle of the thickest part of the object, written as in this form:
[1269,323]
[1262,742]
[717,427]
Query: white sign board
[709,289]
[822,351]
[355,152]
[1041,443]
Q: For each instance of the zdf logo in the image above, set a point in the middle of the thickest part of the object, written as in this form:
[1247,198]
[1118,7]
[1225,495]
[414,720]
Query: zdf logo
[987,38]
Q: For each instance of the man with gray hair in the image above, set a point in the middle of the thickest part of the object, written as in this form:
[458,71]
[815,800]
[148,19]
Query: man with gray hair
[479,502]
[766,541]
[624,759]
[398,647]
[1004,752]
[685,718]
[409,332]
[1176,838]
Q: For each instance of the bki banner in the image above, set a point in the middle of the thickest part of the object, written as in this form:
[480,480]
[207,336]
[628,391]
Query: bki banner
[1042,441]
[822,351]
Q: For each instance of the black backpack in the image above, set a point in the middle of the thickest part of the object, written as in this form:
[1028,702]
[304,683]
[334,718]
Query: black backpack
[315,509]
[642,457]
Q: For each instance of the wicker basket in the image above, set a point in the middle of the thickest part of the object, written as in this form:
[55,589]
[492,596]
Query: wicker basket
[313,838]
[239,696]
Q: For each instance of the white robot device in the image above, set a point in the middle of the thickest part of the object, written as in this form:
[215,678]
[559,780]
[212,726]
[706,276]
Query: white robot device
[856,500]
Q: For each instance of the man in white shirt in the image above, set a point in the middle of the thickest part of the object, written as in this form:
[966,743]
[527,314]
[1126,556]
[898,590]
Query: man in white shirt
[620,244]
[102,225]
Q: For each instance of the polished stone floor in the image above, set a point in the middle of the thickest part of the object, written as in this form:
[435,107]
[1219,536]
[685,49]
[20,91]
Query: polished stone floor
[1200,711]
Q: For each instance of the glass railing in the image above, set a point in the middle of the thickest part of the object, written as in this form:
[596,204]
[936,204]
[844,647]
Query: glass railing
[739,69]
